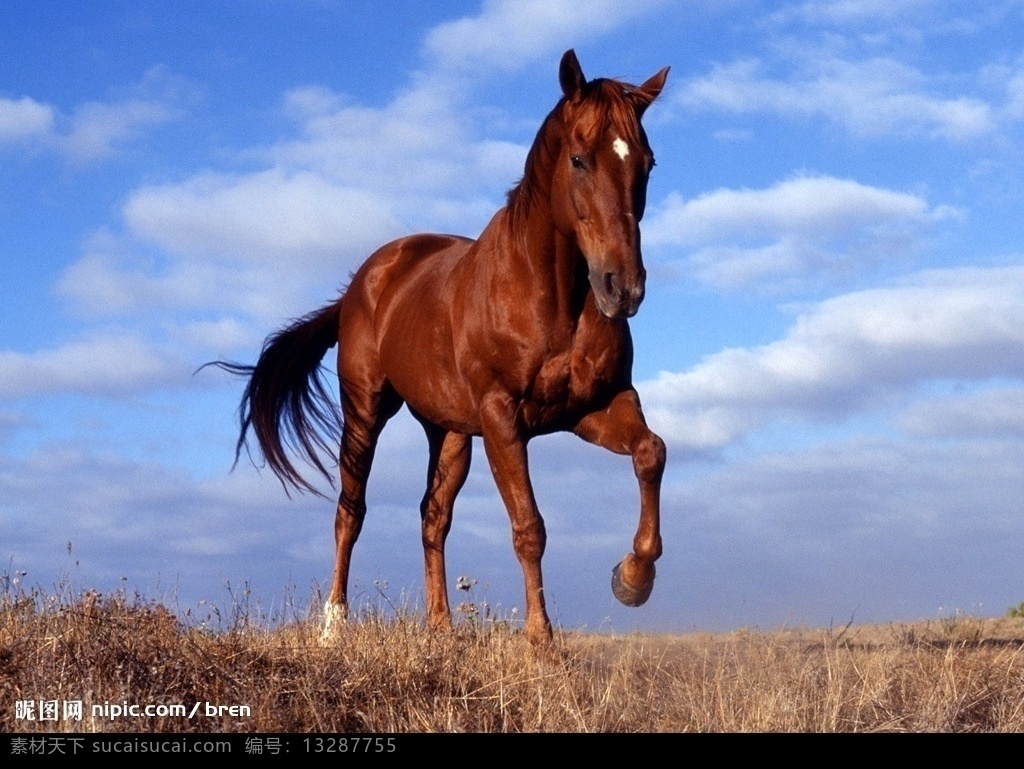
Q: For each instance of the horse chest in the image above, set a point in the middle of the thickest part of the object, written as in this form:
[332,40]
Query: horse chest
[571,383]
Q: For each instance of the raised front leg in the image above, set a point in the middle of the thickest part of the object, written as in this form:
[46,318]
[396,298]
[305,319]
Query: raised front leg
[506,452]
[450,455]
[621,428]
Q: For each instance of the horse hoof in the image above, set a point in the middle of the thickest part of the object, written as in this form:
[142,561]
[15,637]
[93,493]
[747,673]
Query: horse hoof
[627,594]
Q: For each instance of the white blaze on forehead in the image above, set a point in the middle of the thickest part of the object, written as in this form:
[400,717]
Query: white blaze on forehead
[620,147]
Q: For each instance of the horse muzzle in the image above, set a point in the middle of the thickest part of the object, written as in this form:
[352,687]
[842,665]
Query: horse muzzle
[616,295]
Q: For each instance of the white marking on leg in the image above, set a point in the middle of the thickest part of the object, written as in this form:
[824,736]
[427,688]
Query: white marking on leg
[620,147]
[335,615]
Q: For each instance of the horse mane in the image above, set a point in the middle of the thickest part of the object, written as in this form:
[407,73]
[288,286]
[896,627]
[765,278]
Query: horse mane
[614,102]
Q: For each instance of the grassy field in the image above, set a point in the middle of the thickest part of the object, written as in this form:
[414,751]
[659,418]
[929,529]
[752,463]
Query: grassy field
[388,673]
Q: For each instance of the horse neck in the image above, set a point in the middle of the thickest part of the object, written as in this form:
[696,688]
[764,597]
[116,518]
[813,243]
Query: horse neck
[538,253]
[545,266]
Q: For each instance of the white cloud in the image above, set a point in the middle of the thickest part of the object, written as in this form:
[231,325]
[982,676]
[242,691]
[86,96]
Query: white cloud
[221,335]
[800,228]
[1015,96]
[842,354]
[845,12]
[420,150]
[105,284]
[97,129]
[805,204]
[995,412]
[874,97]
[105,365]
[267,217]
[510,33]
[259,244]
[417,142]
[24,118]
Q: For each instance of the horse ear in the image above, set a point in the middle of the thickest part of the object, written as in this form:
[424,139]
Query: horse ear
[649,91]
[570,75]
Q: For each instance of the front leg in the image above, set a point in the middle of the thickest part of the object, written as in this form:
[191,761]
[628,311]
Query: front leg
[621,428]
[505,445]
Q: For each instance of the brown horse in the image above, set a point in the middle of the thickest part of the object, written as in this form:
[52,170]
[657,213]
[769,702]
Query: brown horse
[519,333]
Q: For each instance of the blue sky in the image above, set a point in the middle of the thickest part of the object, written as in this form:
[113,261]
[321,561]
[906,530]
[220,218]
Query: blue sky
[832,343]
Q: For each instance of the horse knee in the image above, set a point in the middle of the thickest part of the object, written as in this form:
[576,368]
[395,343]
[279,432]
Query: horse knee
[530,540]
[348,521]
[434,535]
[649,459]
[435,523]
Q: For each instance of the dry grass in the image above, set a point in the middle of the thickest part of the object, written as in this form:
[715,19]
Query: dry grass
[390,674]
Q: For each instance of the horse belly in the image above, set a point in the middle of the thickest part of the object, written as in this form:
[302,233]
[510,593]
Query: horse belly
[418,363]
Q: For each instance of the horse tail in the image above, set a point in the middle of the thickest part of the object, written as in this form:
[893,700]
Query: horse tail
[286,402]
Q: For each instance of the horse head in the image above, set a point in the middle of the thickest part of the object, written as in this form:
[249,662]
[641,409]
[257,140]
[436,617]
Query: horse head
[599,184]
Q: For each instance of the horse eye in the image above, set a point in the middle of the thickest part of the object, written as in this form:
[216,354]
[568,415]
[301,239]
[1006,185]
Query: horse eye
[577,161]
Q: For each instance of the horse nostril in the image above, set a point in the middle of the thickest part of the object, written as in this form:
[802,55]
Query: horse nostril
[611,285]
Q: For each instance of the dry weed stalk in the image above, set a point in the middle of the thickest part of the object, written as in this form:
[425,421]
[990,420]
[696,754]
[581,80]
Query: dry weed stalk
[387,672]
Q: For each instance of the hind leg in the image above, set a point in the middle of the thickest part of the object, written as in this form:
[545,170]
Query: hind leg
[450,455]
[365,414]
